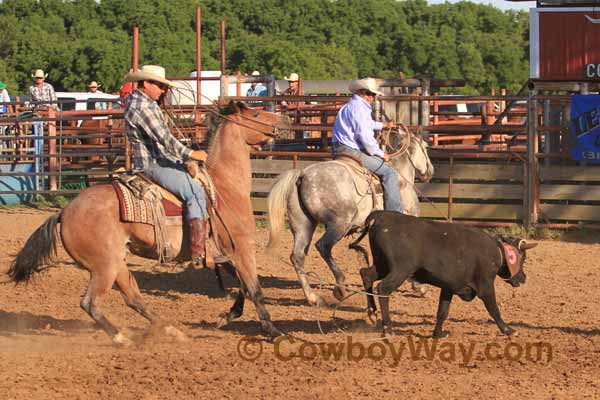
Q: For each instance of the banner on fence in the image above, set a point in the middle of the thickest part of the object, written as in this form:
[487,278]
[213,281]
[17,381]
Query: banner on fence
[585,125]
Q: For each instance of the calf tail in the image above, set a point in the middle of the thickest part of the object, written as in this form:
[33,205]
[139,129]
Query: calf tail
[363,232]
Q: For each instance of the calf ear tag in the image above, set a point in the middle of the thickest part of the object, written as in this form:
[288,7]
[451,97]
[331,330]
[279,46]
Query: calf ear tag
[512,257]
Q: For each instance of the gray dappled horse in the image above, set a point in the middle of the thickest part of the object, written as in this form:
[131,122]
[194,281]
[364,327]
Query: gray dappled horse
[325,193]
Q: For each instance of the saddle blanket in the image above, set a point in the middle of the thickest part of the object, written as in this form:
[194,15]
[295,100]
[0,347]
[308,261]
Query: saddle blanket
[134,209]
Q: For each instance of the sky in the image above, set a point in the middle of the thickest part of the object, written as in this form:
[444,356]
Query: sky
[501,4]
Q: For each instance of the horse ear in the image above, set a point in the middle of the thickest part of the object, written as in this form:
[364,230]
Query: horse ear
[233,107]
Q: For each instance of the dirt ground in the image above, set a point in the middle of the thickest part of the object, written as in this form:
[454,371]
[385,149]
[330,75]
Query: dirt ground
[50,349]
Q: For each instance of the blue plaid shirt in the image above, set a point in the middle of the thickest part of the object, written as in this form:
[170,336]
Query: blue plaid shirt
[149,134]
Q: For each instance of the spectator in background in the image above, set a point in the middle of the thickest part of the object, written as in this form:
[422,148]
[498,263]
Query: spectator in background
[293,85]
[292,90]
[4,108]
[256,89]
[93,88]
[4,98]
[124,92]
[293,107]
[40,90]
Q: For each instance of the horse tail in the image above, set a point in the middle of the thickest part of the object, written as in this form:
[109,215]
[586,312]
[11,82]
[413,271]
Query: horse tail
[37,253]
[277,203]
[363,232]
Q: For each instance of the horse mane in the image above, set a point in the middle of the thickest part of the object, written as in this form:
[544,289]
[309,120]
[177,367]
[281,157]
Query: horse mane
[215,120]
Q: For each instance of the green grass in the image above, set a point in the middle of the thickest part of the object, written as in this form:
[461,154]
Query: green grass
[49,201]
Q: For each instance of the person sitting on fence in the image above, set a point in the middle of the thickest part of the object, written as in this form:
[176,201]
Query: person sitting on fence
[256,89]
[4,108]
[353,134]
[159,154]
[93,88]
[42,91]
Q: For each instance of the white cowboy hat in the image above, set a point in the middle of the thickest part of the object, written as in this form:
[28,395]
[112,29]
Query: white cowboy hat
[292,78]
[38,73]
[94,84]
[154,73]
[369,84]
[255,73]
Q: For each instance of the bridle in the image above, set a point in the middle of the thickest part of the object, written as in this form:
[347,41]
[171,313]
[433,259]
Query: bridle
[273,131]
[406,146]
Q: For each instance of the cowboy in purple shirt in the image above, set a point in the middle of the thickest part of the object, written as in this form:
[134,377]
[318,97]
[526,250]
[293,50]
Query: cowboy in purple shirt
[354,134]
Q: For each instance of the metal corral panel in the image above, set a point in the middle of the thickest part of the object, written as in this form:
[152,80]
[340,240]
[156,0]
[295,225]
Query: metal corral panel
[16,183]
[565,43]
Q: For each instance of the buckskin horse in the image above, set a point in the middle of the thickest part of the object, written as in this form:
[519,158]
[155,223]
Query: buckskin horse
[94,236]
[327,193]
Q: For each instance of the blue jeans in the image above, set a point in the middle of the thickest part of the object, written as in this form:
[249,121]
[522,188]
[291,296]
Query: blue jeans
[388,175]
[176,180]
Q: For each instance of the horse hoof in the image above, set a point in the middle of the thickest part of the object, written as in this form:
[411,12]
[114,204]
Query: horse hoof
[316,300]
[122,340]
[339,293]
[270,330]
[223,320]
[176,333]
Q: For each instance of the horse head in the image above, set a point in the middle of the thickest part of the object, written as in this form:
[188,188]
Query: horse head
[404,146]
[417,152]
[260,126]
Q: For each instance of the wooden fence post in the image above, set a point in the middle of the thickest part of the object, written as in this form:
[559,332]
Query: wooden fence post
[531,212]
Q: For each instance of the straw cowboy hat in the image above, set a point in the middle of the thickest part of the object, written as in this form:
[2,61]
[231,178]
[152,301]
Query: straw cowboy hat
[255,73]
[369,84]
[94,84]
[154,73]
[292,78]
[38,73]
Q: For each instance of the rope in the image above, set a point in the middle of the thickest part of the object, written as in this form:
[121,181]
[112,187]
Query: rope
[340,330]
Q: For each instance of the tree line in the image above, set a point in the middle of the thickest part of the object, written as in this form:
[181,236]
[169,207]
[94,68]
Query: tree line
[81,40]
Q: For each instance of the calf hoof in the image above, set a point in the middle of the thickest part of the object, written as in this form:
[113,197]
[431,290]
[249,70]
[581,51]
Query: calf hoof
[339,293]
[440,334]
[419,288]
[387,332]
[372,316]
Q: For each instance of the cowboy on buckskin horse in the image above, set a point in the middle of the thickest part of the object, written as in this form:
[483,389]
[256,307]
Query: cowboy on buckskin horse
[354,135]
[158,154]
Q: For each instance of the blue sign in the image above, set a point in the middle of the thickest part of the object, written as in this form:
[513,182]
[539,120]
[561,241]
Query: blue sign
[585,125]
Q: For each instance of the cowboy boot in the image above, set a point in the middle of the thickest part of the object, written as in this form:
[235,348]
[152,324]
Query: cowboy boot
[197,232]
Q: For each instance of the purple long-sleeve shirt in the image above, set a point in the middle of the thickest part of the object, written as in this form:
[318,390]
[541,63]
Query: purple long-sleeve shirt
[355,127]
